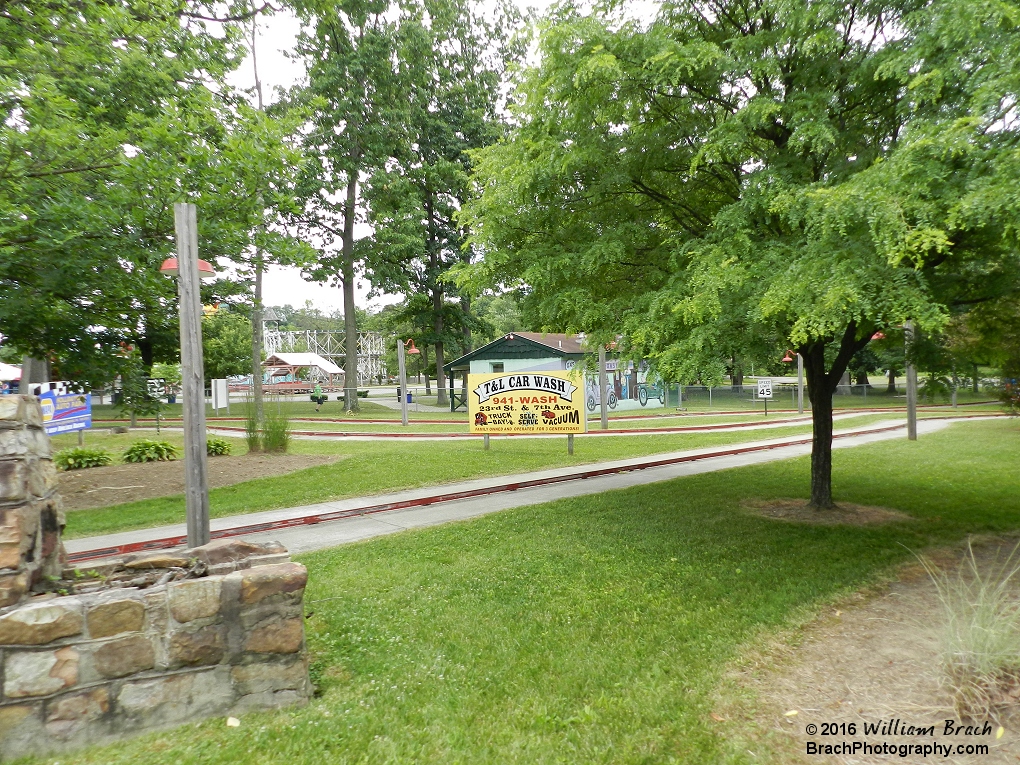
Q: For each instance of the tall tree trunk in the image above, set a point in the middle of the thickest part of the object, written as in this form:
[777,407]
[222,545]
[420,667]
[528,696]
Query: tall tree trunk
[974,385]
[862,378]
[821,385]
[256,340]
[260,265]
[425,365]
[820,394]
[33,371]
[350,318]
[737,378]
[891,387]
[437,301]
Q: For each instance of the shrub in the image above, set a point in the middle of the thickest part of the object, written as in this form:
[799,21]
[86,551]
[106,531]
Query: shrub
[981,637]
[80,458]
[215,447]
[150,451]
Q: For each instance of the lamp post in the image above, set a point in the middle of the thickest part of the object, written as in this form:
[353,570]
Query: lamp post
[189,269]
[403,375]
[800,379]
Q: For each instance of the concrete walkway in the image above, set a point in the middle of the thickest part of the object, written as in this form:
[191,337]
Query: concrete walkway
[303,538]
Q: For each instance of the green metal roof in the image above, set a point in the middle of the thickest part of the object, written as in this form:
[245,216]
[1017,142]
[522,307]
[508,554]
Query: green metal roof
[515,345]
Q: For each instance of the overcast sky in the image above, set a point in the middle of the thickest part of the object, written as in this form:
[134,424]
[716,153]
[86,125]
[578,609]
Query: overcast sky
[276,36]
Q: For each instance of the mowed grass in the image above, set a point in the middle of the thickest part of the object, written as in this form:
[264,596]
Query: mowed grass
[374,467]
[596,629]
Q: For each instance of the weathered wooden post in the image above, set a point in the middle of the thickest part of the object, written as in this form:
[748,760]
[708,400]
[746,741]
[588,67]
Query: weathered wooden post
[196,484]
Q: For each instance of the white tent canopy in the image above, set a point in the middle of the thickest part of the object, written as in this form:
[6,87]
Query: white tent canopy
[300,360]
[9,372]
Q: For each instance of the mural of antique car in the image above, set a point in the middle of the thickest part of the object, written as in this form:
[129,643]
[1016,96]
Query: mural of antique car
[651,390]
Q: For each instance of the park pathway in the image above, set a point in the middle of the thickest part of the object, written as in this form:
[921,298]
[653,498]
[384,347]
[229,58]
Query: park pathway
[328,524]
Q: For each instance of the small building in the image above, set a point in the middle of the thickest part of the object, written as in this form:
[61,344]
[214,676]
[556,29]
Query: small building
[284,371]
[630,387]
[514,352]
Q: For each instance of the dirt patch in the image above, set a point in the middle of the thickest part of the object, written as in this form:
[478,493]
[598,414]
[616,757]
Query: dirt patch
[844,514]
[112,485]
[870,661]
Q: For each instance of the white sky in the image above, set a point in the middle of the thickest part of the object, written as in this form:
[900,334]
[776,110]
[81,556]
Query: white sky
[276,36]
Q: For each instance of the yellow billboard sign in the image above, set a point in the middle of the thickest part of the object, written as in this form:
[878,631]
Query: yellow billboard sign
[526,402]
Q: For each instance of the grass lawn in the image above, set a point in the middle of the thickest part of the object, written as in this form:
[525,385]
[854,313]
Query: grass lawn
[374,467]
[597,629]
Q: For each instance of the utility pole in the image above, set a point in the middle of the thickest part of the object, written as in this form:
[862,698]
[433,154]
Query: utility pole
[403,381]
[908,339]
[603,388]
[800,384]
[196,484]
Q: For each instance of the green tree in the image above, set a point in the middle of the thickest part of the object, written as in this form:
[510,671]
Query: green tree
[226,344]
[352,101]
[807,174]
[112,111]
[452,58]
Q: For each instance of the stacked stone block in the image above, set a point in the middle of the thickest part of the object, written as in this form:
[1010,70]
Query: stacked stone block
[30,516]
[169,637]
[89,668]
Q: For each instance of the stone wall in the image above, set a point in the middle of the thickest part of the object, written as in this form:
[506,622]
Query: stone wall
[147,642]
[30,516]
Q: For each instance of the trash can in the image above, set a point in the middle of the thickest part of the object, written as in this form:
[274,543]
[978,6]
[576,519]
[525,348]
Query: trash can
[398,393]
[410,400]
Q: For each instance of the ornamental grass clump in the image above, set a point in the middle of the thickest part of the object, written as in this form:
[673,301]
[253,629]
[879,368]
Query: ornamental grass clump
[150,451]
[80,458]
[275,432]
[980,639]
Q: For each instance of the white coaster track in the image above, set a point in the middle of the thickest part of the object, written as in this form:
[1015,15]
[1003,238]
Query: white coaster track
[330,344]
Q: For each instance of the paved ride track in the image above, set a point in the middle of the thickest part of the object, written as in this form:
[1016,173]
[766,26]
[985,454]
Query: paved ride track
[336,522]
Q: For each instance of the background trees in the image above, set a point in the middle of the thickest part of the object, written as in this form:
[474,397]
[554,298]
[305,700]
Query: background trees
[734,173]
[112,111]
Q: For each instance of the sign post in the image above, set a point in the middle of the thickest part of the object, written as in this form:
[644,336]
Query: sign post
[528,403]
[765,391]
[156,388]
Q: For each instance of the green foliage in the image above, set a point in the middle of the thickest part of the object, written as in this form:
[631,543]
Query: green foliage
[216,447]
[719,185]
[147,450]
[252,433]
[226,344]
[110,112]
[79,458]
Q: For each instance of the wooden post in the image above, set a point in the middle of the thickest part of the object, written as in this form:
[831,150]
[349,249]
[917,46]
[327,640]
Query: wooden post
[908,336]
[603,389]
[486,441]
[403,381]
[570,443]
[196,485]
[81,437]
[800,384]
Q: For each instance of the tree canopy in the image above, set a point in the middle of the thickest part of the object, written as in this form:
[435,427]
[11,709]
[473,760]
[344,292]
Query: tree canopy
[112,111]
[739,174]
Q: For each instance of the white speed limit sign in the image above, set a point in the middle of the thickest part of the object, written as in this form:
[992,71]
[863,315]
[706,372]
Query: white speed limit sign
[764,388]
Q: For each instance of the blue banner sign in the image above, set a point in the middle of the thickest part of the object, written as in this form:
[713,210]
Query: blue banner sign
[64,412]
